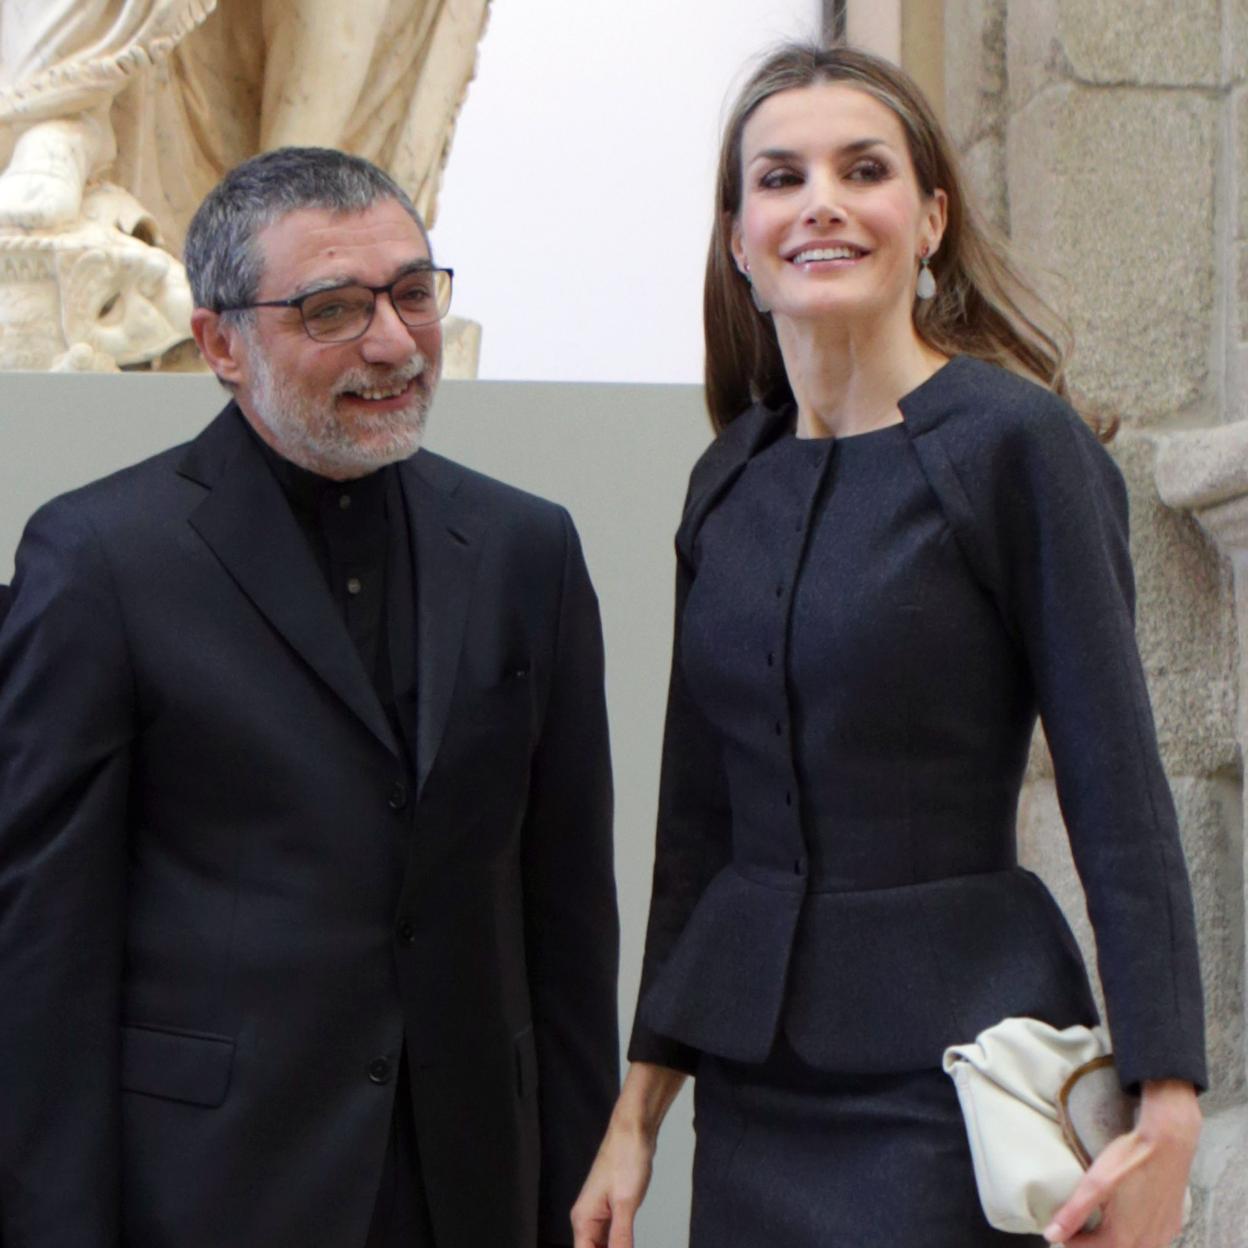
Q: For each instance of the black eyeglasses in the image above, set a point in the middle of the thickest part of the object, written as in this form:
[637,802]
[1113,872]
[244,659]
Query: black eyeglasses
[342,313]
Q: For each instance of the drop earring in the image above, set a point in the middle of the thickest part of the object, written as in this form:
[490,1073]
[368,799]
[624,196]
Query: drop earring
[925,287]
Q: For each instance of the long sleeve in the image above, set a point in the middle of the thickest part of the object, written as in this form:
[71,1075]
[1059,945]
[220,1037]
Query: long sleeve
[693,839]
[572,933]
[1052,513]
[66,716]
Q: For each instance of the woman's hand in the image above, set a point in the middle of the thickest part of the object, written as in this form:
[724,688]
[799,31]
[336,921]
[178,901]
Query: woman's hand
[604,1211]
[1138,1182]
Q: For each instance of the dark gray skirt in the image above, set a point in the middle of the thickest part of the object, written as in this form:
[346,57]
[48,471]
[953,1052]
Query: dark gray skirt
[792,1157]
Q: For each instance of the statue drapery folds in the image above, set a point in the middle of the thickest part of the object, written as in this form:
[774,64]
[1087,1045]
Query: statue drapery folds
[118,116]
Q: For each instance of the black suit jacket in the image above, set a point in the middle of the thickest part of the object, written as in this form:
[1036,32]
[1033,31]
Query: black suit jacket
[948,935]
[227,900]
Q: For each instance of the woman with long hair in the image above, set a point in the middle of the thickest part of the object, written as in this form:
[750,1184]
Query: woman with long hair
[902,546]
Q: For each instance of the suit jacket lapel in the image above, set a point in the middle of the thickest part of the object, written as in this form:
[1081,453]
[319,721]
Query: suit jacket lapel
[446,538]
[248,524]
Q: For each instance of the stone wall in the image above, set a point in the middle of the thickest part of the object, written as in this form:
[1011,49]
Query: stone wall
[1107,138]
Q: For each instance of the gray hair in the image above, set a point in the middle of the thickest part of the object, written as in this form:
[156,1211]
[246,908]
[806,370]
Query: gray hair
[224,263]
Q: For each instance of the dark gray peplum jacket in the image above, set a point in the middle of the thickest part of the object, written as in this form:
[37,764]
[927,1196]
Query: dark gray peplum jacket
[874,960]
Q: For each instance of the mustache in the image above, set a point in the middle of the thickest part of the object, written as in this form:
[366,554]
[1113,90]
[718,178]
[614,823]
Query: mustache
[373,379]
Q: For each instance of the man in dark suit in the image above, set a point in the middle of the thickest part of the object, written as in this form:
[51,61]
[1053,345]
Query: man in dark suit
[307,917]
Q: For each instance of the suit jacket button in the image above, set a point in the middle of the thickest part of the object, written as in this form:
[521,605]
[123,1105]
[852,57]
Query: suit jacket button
[379,1070]
[398,796]
[407,932]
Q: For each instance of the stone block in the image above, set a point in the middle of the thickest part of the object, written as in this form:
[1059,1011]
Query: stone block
[983,172]
[1240,115]
[1083,168]
[1241,302]
[1033,51]
[1229,1201]
[1210,819]
[1238,40]
[1142,42]
[975,81]
[1185,622]
[1196,1228]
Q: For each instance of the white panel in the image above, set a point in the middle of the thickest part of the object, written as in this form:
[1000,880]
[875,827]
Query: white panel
[577,202]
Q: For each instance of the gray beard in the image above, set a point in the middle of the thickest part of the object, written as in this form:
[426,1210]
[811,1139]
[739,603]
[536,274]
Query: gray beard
[307,430]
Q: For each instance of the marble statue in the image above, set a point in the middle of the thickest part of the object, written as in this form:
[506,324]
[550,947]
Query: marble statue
[118,116]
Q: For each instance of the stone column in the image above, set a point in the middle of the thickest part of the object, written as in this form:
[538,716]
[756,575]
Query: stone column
[1102,136]
[1205,473]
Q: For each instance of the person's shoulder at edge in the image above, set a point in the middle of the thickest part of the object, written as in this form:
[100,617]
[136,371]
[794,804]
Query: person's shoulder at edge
[477,489]
[128,494]
[527,524]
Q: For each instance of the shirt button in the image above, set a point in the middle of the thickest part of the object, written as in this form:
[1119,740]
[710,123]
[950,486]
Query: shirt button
[379,1070]
[353,585]
[344,502]
[407,932]
[398,796]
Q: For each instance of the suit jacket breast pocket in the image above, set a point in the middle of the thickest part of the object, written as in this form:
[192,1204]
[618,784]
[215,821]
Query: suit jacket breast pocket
[193,1067]
[504,705]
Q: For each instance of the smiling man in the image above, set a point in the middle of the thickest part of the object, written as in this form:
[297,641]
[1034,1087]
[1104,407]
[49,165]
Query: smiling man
[307,918]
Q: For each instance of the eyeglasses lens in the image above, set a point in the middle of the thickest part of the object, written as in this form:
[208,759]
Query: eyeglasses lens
[344,313]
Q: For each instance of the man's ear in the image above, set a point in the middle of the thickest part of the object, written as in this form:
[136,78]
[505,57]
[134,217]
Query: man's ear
[220,343]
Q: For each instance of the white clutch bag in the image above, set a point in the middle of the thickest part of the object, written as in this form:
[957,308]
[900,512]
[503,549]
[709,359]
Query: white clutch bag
[1040,1105]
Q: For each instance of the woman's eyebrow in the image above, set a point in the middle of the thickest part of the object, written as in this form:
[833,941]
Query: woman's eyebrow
[850,149]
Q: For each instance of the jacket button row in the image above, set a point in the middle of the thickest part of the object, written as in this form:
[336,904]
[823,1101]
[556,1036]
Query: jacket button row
[398,796]
[407,932]
[771,658]
[379,1070]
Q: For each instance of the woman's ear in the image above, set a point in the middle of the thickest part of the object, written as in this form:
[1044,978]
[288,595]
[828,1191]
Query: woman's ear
[738,250]
[936,218]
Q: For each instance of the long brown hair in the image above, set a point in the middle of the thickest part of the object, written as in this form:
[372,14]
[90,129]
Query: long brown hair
[983,306]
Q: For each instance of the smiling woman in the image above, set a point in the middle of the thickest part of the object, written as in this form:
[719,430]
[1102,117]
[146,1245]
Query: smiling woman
[895,556]
[982,304]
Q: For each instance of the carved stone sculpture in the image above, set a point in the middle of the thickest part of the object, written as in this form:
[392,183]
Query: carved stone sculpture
[94,296]
[162,97]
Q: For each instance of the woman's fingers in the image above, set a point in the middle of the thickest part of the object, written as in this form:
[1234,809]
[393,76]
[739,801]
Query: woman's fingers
[1124,1155]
